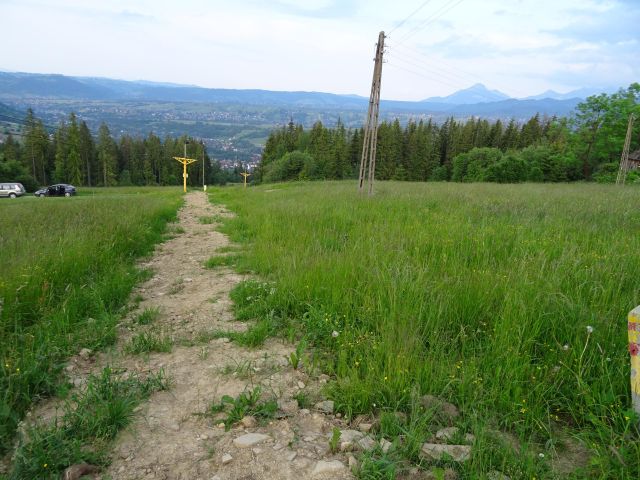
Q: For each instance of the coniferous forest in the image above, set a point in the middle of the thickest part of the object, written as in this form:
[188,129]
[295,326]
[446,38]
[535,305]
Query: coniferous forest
[586,146]
[70,153]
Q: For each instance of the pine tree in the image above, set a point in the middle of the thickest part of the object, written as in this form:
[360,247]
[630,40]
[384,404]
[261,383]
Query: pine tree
[339,156]
[355,151]
[153,159]
[510,139]
[87,153]
[531,132]
[411,154]
[61,148]
[494,139]
[171,169]
[36,147]
[107,156]
[74,162]
[447,146]
[320,149]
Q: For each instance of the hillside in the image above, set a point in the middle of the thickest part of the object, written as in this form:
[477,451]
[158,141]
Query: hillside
[235,123]
[8,118]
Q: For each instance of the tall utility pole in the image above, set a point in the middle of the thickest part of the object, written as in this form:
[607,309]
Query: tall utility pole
[624,159]
[185,161]
[370,142]
[204,187]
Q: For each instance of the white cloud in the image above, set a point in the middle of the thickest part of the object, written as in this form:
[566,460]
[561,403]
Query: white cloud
[521,48]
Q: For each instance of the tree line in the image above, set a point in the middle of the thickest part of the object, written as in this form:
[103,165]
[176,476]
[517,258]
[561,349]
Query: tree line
[585,146]
[71,154]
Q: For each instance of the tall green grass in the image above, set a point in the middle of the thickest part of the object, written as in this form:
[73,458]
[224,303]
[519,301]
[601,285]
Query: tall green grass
[510,301]
[67,267]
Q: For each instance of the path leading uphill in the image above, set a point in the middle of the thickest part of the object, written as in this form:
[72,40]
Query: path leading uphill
[171,436]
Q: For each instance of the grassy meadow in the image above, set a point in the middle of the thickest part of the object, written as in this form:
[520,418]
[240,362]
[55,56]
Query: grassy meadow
[510,301]
[67,270]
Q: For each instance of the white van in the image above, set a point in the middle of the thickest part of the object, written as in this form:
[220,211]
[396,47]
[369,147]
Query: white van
[11,189]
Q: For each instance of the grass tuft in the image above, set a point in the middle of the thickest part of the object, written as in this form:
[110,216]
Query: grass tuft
[221,261]
[147,342]
[208,220]
[148,316]
[90,422]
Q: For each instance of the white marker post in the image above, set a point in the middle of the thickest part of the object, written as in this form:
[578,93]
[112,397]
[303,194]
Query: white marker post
[634,347]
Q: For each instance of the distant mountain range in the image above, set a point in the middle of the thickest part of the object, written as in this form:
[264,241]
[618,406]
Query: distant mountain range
[581,93]
[21,86]
[478,93]
[29,85]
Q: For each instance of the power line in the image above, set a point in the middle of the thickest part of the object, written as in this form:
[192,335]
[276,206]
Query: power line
[407,18]
[445,8]
[420,74]
[422,59]
[451,4]
[445,67]
[451,80]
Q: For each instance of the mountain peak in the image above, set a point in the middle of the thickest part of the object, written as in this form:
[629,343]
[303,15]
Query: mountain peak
[476,93]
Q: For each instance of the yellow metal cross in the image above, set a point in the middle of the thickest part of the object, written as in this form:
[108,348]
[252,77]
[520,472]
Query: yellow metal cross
[185,162]
[245,175]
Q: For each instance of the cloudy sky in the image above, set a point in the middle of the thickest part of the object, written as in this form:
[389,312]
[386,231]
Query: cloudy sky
[521,47]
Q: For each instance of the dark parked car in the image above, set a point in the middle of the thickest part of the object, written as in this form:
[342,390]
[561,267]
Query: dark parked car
[57,190]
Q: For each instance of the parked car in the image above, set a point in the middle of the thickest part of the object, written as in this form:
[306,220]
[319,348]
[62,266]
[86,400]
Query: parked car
[11,189]
[57,190]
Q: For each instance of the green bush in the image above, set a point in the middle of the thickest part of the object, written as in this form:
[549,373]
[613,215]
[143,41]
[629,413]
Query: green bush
[288,167]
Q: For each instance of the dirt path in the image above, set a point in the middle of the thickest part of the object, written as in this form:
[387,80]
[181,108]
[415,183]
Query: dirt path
[170,437]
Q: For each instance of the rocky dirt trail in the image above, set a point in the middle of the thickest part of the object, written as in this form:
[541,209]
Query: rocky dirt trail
[174,435]
[171,437]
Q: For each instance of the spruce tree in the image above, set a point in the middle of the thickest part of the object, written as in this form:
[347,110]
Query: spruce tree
[61,148]
[107,151]
[74,165]
[87,153]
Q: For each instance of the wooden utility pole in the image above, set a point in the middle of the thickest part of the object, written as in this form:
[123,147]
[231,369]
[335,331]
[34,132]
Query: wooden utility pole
[185,161]
[204,186]
[624,159]
[370,141]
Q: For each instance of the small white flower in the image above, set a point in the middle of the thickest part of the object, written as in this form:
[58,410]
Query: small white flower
[541,455]
[334,334]
[565,347]
[589,329]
